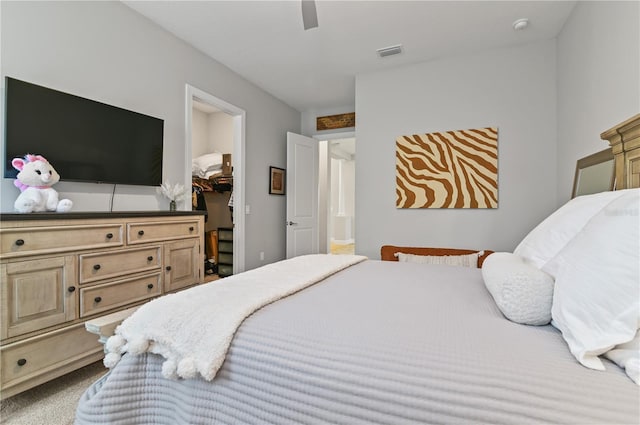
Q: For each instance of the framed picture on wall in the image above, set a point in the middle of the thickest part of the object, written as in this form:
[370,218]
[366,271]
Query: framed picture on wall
[276,181]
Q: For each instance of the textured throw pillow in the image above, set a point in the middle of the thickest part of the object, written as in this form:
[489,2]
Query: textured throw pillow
[553,233]
[467,260]
[522,292]
[596,301]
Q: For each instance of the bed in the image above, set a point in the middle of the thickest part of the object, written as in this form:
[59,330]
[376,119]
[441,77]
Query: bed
[366,341]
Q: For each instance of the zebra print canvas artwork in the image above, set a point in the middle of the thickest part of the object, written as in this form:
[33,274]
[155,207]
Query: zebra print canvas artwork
[452,169]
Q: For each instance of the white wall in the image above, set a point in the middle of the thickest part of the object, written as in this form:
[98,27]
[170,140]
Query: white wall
[211,132]
[324,180]
[598,80]
[513,89]
[199,133]
[221,132]
[342,199]
[342,186]
[107,52]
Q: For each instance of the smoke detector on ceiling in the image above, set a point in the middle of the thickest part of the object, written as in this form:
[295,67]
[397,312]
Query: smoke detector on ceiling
[520,24]
[389,51]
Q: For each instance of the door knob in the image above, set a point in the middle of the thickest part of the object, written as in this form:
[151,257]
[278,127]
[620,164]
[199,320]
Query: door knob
[291,223]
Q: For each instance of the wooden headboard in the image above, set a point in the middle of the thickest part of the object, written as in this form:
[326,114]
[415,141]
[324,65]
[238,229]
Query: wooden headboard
[624,140]
[387,252]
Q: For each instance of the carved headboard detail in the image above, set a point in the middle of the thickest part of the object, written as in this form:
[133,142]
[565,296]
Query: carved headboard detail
[624,140]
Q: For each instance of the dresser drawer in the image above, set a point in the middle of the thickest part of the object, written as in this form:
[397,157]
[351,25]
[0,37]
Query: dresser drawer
[225,269]
[162,231]
[99,298]
[225,257]
[42,240]
[225,234]
[224,246]
[27,359]
[105,265]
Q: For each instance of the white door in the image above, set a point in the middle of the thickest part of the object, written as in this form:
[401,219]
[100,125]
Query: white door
[302,195]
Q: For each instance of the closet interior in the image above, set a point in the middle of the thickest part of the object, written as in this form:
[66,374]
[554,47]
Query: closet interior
[212,184]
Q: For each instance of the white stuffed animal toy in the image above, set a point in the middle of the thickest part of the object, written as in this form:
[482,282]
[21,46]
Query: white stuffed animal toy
[34,180]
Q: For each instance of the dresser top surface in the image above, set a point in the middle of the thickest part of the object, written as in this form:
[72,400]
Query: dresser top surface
[80,215]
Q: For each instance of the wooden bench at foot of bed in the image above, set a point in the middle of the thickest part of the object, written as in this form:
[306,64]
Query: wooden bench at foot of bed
[106,325]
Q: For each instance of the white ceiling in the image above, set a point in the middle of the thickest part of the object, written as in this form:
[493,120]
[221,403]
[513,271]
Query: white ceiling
[345,147]
[264,41]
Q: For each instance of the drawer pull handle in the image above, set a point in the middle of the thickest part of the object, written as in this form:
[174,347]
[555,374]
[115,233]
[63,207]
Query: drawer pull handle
[191,229]
[150,258]
[150,286]
[22,362]
[96,267]
[97,299]
[168,268]
[141,232]
[20,242]
[109,235]
[71,288]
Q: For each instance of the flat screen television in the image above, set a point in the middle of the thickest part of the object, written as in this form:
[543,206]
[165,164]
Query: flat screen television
[85,140]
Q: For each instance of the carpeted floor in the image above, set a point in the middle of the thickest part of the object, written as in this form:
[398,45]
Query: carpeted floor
[52,403]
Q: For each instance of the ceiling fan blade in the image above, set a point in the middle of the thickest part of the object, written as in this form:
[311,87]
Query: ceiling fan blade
[309,14]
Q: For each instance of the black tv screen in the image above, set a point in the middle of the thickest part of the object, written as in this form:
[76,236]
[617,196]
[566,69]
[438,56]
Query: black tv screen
[85,140]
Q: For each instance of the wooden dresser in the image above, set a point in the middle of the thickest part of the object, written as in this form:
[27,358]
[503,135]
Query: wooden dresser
[59,270]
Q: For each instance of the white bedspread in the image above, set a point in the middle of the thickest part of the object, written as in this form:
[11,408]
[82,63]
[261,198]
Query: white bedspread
[193,329]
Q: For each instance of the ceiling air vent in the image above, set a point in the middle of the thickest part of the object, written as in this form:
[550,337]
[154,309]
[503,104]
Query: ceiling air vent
[389,51]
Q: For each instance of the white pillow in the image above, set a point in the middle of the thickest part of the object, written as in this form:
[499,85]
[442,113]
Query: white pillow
[467,260]
[522,292]
[627,356]
[212,173]
[203,164]
[553,233]
[596,300]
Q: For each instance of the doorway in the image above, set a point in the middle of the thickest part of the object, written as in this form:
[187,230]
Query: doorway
[337,194]
[341,219]
[196,102]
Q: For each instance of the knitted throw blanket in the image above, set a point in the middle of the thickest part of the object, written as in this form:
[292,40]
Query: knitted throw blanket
[193,329]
